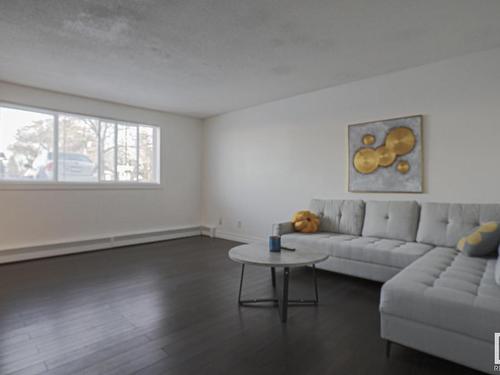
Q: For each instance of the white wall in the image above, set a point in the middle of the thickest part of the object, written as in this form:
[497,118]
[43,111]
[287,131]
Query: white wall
[37,217]
[263,163]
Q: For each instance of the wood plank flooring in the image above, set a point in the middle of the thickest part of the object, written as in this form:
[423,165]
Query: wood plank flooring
[170,308]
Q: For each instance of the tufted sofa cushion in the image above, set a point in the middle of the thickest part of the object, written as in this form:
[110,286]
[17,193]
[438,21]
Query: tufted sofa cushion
[446,289]
[443,224]
[386,252]
[316,241]
[339,216]
[391,219]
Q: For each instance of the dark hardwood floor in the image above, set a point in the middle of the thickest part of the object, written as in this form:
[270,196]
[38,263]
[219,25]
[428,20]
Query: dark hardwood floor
[170,308]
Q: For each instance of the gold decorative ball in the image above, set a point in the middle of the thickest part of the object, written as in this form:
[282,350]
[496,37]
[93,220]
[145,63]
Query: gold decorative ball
[366,160]
[368,139]
[403,167]
[385,156]
[400,140]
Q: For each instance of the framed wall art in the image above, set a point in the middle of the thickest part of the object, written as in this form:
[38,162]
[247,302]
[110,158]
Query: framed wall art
[386,156]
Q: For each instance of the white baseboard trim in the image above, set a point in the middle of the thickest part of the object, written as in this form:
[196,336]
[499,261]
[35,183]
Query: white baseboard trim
[79,246]
[208,231]
[239,237]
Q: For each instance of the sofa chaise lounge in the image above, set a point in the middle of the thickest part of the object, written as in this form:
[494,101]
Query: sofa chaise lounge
[435,298]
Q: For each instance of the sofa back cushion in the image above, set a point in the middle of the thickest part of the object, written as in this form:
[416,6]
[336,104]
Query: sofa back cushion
[443,224]
[339,216]
[391,219]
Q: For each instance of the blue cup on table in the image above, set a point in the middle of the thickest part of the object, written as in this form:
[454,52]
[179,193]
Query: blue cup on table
[274,244]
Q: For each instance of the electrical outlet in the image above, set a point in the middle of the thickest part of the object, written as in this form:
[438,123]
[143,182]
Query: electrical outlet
[220,221]
[238,224]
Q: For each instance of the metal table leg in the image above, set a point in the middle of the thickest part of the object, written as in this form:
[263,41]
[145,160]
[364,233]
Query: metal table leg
[284,300]
[254,300]
[241,283]
[315,283]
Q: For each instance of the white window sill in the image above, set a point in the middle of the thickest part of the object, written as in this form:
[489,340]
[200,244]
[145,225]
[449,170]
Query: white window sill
[16,185]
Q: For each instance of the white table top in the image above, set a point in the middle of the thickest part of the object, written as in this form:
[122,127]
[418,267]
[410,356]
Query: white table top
[258,254]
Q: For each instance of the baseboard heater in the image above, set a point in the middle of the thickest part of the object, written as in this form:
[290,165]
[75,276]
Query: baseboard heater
[71,247]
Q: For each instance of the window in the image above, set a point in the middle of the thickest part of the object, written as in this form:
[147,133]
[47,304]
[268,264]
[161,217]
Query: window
[147,156]
[47,146]
[26,138]
[78,145]
[127,152]
[108,153]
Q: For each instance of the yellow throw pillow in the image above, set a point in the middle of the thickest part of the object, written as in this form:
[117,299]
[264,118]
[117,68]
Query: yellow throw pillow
[481,240]
[305,222]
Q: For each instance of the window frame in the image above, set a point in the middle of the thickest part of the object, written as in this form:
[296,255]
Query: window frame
[57,184]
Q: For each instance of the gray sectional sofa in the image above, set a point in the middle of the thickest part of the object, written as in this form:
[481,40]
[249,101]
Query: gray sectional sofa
[434,298]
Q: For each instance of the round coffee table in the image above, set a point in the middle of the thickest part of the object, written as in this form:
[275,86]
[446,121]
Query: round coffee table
[258,254]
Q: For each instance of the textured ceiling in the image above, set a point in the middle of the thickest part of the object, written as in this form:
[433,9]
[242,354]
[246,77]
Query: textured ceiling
[212,56]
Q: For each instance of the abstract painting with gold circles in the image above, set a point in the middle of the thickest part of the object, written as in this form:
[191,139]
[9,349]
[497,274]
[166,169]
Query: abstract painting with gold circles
[386,156]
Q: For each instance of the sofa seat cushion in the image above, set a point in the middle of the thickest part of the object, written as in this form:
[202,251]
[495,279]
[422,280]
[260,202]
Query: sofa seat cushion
[322,241]
[393,253]
[448,290]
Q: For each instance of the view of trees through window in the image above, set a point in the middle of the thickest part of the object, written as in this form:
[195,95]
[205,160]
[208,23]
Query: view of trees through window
[78,145]
[127,153]
[87,149]
[108,151]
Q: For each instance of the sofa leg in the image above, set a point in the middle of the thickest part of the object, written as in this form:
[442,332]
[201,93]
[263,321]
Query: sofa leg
[388,348]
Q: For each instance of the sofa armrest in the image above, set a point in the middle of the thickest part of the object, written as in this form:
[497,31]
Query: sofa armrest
[282,228]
